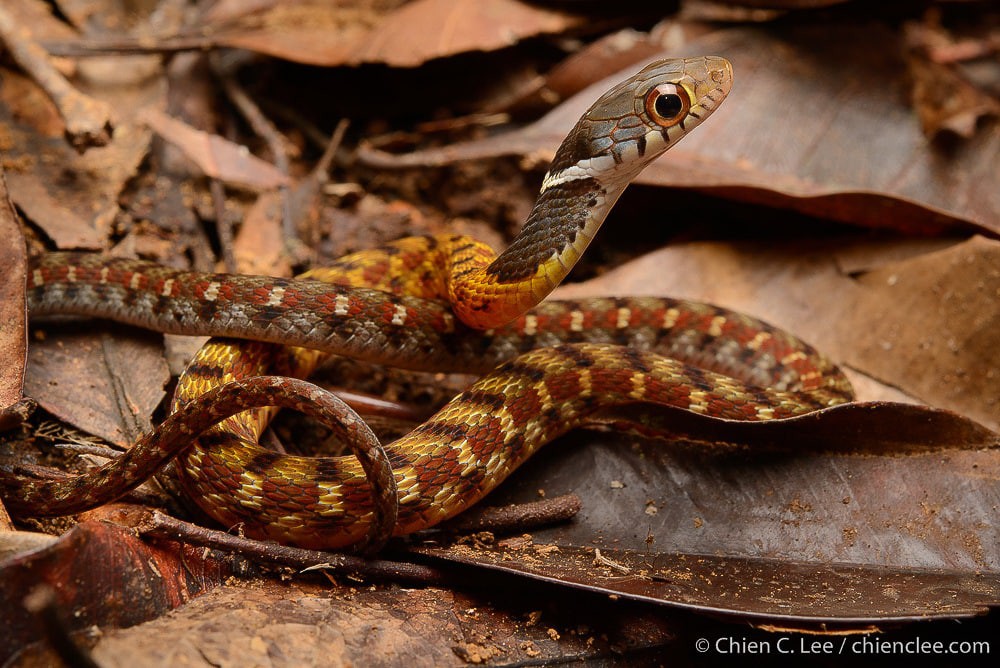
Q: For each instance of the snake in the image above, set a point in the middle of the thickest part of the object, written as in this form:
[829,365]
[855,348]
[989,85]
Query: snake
[449,303]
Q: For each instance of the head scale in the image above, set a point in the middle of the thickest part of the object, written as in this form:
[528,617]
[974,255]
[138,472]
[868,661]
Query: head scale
[636,121]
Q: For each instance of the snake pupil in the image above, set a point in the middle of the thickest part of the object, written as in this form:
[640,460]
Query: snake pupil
[668,106]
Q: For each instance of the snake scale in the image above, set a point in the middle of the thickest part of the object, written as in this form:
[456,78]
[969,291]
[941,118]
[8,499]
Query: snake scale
[424,303]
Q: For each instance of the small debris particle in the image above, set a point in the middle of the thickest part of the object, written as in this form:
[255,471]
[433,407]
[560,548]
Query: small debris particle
[601,560]
[473,653]
[530,648]
[797,506]
[617,484]
[517,542]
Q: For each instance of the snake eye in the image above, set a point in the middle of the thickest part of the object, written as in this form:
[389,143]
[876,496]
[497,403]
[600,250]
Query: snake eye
[667,104]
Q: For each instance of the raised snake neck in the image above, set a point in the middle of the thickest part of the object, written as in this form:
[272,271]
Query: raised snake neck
[479,437]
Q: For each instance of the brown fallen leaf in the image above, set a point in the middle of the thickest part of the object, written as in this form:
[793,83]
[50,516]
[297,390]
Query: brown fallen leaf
[926,325]
[931,326]
[104,381]
[808,596]
[215,156]
[803,129]
[426,29]
[104,575]
[423,627]
[73,198]
[313,32]
[946,102]
[260,245]
[597,60]
[908,515]
[328,34]
[13,309]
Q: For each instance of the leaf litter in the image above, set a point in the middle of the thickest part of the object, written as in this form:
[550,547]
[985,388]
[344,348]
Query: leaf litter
[889,494]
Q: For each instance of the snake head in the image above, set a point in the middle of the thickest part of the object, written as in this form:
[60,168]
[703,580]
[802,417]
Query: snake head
[627,128]
[636,121]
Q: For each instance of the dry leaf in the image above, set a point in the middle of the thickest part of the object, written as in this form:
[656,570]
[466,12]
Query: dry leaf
[260,245]
[104,382]
[102,575]
[215,156]
[72,197]
[422,627]
[427,29]
[947,102]
[329,34]
[803,129]
[13,308]
[927,325]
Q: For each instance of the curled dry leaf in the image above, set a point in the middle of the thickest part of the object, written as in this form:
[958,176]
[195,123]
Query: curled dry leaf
[947,102]
[215,156]
[72,197]
[329,34]
[805,128]
[752,589]
[426,29]
[104,575]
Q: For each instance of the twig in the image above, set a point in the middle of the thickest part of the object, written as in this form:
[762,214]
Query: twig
[371,405]
[164,526]
[223,225]
[518,517]
[88,121]
[601,560]
[323,166]
[276,144]
[92,449]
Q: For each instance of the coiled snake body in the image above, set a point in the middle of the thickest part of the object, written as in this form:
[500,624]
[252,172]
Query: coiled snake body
[559,362]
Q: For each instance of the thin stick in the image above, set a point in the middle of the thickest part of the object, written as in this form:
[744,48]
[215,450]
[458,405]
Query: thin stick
[223,225]
[87,120]
[519,517]
[164,526]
